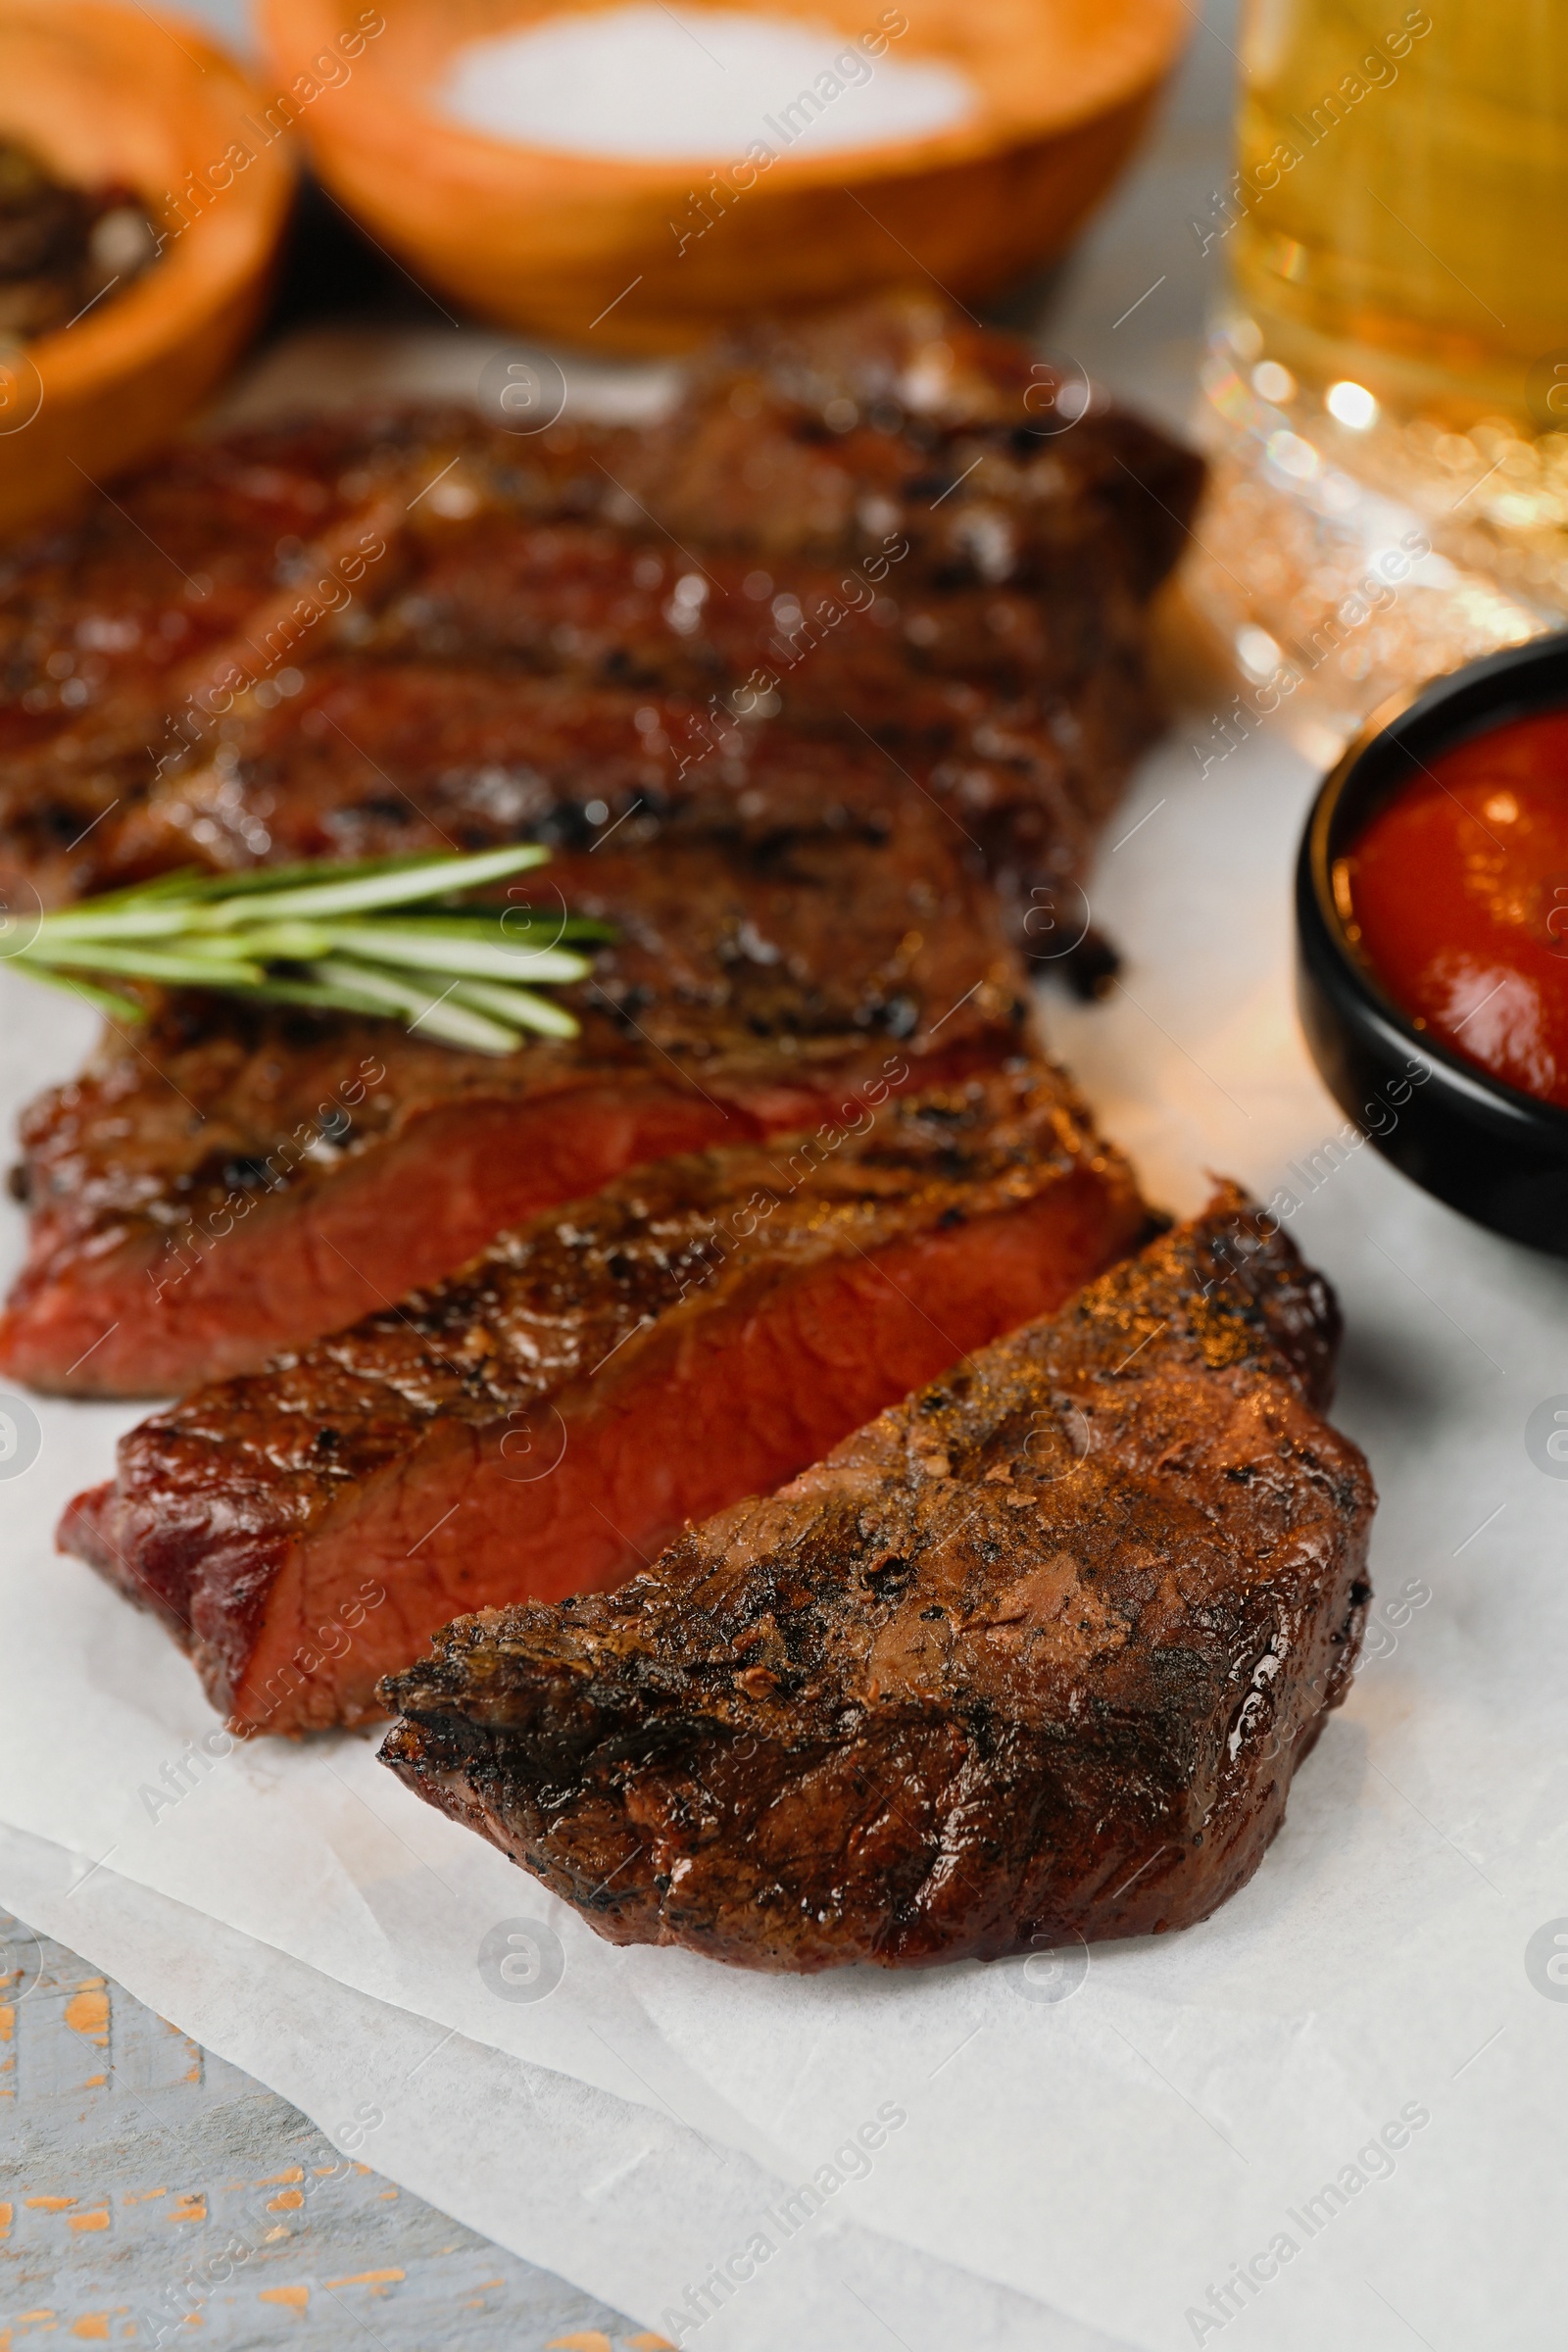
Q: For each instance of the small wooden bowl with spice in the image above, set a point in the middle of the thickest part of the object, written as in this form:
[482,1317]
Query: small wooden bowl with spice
[629,176]
[135,241]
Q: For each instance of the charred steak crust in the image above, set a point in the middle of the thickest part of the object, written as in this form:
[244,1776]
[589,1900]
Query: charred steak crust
[363,761]
[374,634]
[1032,1655]
[231,1182]
[526,1427]
[893,533]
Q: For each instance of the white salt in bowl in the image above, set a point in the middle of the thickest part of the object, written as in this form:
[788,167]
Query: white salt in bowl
[615,176]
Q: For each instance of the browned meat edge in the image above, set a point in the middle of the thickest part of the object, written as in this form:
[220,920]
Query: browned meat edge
[544,1420]
[1032,1657]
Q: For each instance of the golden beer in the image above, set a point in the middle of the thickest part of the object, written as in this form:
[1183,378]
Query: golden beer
[1399,214]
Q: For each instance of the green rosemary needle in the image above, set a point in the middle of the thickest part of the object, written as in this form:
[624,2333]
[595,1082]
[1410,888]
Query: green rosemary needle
[391,937]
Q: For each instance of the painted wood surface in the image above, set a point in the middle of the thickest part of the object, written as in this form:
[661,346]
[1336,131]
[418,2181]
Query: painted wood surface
[153,2195]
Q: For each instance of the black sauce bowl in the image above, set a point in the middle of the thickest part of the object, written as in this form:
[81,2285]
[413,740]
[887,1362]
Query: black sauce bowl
[1495,1154]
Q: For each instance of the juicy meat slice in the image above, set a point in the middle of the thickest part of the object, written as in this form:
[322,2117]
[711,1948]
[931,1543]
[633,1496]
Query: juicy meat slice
[548,1417]
[1032,1657]
[826,441]
[586,601]
[424,742]
[100,616]
[230,1181]
[881,524]
[815,436]
[370,758]
[366,761]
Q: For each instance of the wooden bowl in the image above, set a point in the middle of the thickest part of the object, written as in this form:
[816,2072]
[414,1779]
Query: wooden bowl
[103,92]
[583,248]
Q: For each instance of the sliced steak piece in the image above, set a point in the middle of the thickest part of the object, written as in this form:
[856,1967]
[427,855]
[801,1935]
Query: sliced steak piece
[101,614]
[829,442]
[814,437]
[1022,714]
[879,523]
[1032,1657]
[364,762]
[544,1421]
[588,601]
[230,1182]
[350,756]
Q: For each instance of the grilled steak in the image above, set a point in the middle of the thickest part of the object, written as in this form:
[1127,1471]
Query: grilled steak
[233,1181]
[365,762]
[544,1421]
[1031,1656]
[101,618]
[914,570]
[815,437]
[589,602]
[816,896]
[364,758]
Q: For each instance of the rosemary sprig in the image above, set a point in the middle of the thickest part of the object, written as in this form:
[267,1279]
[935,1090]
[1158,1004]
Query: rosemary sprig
[391,937]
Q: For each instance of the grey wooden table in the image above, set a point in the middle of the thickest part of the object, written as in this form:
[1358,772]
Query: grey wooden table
[153,2195]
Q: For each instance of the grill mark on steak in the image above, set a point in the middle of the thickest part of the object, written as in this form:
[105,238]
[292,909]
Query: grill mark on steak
[544,1421]
[366,761]
[1028,760]
[752,982]
[585,600]
[1032,1655]
[589,603]
[1028,566]
[817,436]
[769,956]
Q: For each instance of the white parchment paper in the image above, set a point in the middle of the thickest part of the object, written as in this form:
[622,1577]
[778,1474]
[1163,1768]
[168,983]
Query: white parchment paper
[626,2203]
[1084,2163]
[1119,2152]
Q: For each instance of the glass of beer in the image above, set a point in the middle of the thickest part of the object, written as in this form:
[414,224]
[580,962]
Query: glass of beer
[1389,364]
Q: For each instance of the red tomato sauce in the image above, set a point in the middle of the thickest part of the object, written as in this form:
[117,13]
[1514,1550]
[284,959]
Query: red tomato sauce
[1457,894]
